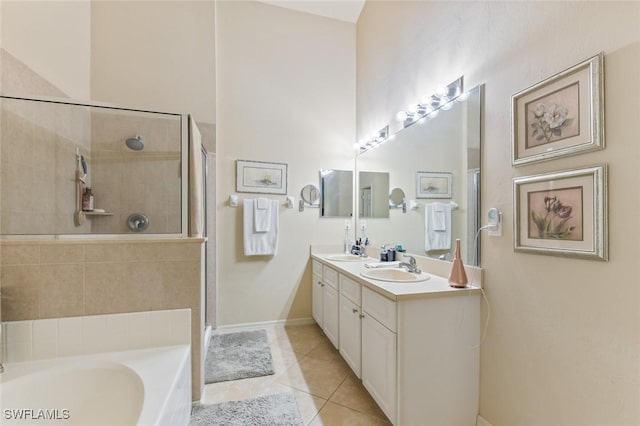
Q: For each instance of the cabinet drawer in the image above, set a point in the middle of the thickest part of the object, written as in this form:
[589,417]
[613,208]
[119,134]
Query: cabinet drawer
[330,276]
[379,307]
[350,289]
[316,268]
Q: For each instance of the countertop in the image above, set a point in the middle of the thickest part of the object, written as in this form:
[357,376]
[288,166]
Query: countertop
[435,286]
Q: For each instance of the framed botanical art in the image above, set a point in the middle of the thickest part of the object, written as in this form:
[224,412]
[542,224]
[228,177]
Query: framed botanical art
[560,116]
[260,177]
[562,213]
[433,184]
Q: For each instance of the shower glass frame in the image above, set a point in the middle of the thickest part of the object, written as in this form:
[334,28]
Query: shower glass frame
[184,175]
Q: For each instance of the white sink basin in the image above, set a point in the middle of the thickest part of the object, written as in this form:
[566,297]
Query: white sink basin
[346,257]
[395,275]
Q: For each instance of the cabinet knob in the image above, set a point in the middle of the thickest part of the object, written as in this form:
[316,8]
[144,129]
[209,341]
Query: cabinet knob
[355,310]
[361,315]
[321,283]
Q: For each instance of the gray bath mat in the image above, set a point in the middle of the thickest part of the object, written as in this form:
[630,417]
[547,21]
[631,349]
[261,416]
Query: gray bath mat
[279,409]
[238,355]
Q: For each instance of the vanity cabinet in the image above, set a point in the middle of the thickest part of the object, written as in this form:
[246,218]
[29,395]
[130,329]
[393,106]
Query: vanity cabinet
[379,349]
[417,354]
[350,323]
[325,300]
[317,307]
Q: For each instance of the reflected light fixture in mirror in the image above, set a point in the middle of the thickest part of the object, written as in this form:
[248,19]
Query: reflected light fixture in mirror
[373,141]
[443,99]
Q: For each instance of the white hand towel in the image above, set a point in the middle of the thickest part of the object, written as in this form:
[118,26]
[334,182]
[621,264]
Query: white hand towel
[434,239]
[262,215]
[260,243]
[438,219]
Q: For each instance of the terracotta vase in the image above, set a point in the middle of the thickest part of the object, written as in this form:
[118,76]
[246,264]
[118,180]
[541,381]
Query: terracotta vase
[458,276]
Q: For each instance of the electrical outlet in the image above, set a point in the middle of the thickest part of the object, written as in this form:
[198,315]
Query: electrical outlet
[347,225]
[363,225]
[494,217]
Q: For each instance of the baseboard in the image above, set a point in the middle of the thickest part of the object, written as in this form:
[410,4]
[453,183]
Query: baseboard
[481,421]
[262,324]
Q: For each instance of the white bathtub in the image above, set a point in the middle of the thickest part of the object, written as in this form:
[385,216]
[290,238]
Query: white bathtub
[136,387]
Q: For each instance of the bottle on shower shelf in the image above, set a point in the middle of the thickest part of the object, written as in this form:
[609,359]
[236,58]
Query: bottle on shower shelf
[87,200]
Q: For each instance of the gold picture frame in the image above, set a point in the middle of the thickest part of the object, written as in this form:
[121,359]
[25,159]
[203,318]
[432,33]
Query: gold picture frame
[560,116]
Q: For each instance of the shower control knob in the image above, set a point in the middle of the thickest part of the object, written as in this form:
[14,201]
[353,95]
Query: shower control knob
[138,222]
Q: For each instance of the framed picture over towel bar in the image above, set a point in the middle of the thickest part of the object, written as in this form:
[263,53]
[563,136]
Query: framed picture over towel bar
[433,184]
[261,177]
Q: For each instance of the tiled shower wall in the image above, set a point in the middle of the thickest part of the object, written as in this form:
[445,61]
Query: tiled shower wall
[126,181]
[58,279]
[38,142]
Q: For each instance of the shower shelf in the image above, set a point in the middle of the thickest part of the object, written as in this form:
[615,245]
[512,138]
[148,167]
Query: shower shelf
[97,213]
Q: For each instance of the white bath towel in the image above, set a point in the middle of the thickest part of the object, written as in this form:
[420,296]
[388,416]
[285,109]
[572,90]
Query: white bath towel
[437,238]
[260,243]
[262,215]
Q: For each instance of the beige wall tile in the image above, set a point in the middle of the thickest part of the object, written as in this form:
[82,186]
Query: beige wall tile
[104,290]
[62,291]
[61,253]
[20,254]
[155,251]
[104,252]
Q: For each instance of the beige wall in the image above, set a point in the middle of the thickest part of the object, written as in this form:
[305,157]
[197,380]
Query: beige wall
[53,39]
[156,55]
[286,93]
[563,343]
[64,279]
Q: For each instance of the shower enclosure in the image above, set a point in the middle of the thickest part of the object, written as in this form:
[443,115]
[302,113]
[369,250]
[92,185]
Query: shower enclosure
[53,151]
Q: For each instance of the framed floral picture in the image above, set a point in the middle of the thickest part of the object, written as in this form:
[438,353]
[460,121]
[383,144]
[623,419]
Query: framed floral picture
[433,184]
[260,177]
[560,116]
[562,213]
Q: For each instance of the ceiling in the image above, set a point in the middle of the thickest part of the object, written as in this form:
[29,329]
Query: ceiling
[343,10]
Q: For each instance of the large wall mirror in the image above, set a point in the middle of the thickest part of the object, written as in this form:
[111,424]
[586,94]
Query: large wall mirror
[445,145]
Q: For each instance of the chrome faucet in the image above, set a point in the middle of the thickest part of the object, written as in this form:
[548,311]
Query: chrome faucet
[412,266]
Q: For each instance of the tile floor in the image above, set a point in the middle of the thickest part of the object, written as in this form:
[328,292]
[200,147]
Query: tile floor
[307,364]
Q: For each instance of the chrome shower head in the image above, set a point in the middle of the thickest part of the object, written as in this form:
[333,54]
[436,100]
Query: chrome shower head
[135,144]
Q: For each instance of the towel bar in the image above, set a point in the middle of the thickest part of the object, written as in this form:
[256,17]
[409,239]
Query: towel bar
[234,200]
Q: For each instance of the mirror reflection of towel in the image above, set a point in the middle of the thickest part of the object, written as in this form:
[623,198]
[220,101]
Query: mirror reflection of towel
[437,234]
[438,220]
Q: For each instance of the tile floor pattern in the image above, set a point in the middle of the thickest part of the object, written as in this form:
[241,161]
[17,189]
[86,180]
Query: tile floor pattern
[327,392]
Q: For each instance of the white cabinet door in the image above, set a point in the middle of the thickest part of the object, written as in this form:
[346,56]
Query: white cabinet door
[331,314]
[350,333]
[379,364]
[317,301]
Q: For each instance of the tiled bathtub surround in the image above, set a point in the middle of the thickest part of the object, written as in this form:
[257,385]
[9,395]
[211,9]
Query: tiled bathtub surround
[53,338]
[56,279]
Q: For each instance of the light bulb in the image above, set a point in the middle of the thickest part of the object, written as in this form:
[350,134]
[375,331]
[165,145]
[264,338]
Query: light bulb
[401,116]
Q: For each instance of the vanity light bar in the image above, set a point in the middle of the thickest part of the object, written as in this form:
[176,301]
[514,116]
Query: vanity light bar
[442,99]
[370,143]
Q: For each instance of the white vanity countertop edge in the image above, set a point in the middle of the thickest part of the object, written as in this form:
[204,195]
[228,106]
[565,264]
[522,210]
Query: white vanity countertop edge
[434,287]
